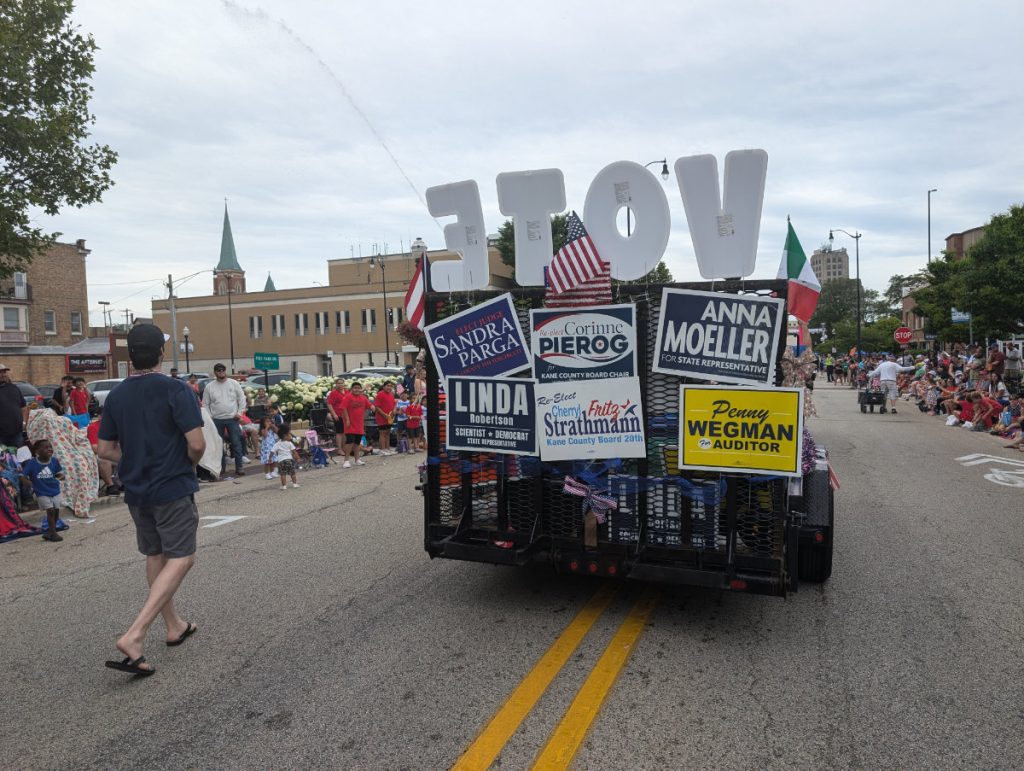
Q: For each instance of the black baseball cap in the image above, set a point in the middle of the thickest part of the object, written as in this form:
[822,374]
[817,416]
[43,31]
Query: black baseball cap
[218,367]
[146,339]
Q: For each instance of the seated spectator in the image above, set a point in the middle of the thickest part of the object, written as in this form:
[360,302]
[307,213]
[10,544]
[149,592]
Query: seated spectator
[994,388]
[105,467]
[261,400]
[986,411]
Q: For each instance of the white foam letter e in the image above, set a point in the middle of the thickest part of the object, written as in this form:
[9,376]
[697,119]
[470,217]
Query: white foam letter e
[724,231]
[467,235]
[530,198]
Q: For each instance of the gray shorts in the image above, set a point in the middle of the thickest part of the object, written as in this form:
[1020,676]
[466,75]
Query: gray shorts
[890,390]
[167,528]
[50,501]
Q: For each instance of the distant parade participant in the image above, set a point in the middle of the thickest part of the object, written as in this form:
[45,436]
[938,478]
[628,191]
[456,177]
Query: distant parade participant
[887,372]
[830,368]
[353,417]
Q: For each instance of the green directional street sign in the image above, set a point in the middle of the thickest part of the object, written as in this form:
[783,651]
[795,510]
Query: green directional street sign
[266,361]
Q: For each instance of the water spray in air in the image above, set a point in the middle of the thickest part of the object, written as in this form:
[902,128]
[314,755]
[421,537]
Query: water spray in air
[260,15]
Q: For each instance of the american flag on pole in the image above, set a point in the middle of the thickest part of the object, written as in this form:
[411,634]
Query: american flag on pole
[577,261]
[415,296]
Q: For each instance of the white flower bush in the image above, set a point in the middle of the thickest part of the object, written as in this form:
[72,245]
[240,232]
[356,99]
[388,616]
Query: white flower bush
[296,398]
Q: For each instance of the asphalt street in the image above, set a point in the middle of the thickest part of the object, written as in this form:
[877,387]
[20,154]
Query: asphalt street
[328,639]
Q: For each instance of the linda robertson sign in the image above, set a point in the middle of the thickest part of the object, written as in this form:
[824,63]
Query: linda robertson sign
[491,415]
[484,341]
[720,337]
[584,344]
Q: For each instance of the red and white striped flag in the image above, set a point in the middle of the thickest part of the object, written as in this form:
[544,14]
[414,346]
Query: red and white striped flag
[577,261]
[415,295]
[596,291]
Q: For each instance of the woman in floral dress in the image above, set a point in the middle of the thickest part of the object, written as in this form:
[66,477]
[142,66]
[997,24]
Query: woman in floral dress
[71,446]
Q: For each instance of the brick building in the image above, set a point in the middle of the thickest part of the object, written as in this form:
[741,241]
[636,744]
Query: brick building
[46,319]
[958,244]
[322,329]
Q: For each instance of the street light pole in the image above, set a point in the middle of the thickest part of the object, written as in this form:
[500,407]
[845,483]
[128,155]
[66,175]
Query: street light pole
[856,241]
[933,190]
[664,176]
[231,328]
[188,366]
[378,261]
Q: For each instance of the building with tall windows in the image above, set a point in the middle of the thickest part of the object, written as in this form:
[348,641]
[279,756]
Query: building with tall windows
[350,322]
[829,264]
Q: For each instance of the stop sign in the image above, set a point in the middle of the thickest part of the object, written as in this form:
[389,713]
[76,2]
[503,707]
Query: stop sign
[902,335]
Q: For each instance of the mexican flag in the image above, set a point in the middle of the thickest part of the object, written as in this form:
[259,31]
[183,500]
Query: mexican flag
[803,284]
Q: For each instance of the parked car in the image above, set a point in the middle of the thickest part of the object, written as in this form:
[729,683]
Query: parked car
[261,380]
[100,388]
[30,392]
[48,389]
[395,372]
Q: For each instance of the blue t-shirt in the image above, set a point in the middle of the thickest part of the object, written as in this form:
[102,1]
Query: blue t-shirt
[149,415]
[43,476]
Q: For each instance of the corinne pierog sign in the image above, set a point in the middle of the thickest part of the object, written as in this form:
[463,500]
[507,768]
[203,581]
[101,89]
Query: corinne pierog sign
[583,343]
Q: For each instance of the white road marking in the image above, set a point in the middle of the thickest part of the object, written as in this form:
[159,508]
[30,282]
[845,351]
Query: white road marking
[222,520]
[996,475]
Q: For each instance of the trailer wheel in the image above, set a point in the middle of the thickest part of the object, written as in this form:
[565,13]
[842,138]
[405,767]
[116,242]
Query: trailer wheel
[863,408]
[814,560]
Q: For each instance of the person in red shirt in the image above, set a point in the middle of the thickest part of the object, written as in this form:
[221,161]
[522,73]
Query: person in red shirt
[986,411]
[384,411]
[354,405]
[334,400]
[414,423]
[79,399]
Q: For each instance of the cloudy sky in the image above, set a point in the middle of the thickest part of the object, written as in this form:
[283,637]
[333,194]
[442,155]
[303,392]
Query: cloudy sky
[323,123]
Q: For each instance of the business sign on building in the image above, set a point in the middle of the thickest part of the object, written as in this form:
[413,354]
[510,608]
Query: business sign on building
[750,430]
[483,341]
[583,344]
[726,338]
[959,317]
[85,365]
[491,415]
[590,419]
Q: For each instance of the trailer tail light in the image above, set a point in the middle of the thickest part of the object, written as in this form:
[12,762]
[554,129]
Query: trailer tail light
[592,567]
[574,566]
[738,585]
[819,537]
[613,570]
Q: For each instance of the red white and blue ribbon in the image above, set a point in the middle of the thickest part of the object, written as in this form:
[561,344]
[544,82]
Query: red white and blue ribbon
[592,500]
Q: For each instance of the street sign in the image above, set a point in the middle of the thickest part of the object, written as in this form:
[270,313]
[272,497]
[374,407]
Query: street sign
[266,361]
[902,335]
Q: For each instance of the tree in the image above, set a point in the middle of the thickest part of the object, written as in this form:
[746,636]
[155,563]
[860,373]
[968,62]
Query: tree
[991,286]
[45,163]
[506,245]
[836,303]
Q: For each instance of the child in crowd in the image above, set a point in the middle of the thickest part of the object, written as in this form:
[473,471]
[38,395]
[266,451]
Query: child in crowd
[285,455]
[401,421]
[384,411]
[414,423]
[275,415]
[45,473]
[79,399]
[268,438]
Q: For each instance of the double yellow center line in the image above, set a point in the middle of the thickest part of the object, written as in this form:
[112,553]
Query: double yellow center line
[567,737]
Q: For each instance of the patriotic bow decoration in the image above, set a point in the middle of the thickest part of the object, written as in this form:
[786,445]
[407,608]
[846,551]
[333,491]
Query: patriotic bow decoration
[592,501]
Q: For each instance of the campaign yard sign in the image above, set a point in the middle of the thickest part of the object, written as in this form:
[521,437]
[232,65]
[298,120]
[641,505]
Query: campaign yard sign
[583,344]
[590,419]
[752,430]
[491,415]
[482,341]
[725,338]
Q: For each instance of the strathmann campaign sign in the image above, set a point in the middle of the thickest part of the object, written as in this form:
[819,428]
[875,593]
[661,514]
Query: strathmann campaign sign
[752,430]
[583,344]
[726,338]
[482,341]
[491,415]
[590,419]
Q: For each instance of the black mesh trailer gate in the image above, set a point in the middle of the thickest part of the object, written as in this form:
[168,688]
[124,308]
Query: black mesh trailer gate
[726,531]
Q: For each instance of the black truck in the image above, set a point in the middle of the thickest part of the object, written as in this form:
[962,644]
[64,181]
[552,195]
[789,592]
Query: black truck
[740,532]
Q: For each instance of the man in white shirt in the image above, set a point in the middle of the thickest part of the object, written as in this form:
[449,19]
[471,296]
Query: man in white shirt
[1011,370]
[886,373]
[225,400]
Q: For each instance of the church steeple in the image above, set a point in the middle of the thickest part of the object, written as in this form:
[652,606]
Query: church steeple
[269,287]
[228,274]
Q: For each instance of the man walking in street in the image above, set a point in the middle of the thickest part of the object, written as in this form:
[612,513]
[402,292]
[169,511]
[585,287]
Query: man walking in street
[13,411]
[1011,371]
[225,400]
[153,429]
[886,372]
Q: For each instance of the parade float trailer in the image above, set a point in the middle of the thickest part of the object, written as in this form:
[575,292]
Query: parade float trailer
[647,435]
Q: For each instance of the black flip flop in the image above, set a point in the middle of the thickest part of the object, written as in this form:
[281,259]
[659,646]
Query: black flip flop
[189,630]
[131,666]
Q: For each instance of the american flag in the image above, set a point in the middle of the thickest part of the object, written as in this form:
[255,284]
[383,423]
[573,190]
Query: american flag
[415,296]
[577,261]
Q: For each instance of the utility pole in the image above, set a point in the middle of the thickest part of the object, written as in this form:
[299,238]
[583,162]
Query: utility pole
[127,320]
[174,322]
